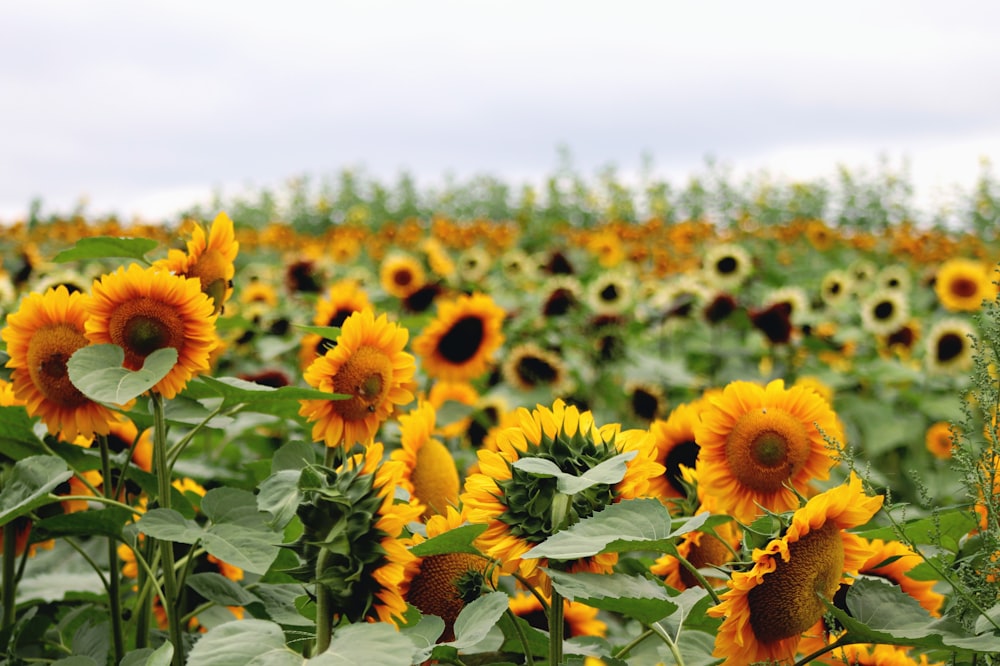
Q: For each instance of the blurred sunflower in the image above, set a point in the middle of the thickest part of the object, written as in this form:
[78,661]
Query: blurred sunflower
[903,340]
[123,435]
[401,274]
[675,448]
[528,367]
[343,298]
[940,440]
[458,345]
[143,310]
[461,393]
[41,335]
[718,307]
[794,298]
[894,561]
[836,288]
[446,583]
[645,401]
[474,263]
[562,295]
[896,277]
[7,397]
[429,471]
[727,266]
[368,364]
[961,285]
[767,608]
[863,272]
[522,509]
[756,440]
[949,346]
[774,322]
[611,292]
[579,619]
[884,311]
[209,258]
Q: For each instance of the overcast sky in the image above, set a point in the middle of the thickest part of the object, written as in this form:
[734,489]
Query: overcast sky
[146,107]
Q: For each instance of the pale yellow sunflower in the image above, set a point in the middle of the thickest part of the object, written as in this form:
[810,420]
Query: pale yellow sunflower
[430,474]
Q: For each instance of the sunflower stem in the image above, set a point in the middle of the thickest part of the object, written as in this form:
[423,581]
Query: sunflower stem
[9,571]
[529,659]
[623,652]
[846,639]
[114,576]
[324,616]
[671,643]
[555,628]
[693,570]
[163,477]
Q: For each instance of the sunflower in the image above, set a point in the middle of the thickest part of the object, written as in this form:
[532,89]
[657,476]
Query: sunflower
[962,285]
[836,288]
[894,561]
[445,583]
[726,265]
[123,435]
[458,345]
[41,335]
[895,277]
[610,293]
[343,298]
[774,322]
[7,397]
[884,311]
[756,440]
[863,273]
[528,367]
[430,474]
[767,609]
[209,259]
[474,263]
[675,447]
[368,364]
[520,508]
[901,341]
[401,274]
[940,440]
[949,346]
[579,619]
[718,308]
[562,296]
[461,393]
[646,401]
[794,298]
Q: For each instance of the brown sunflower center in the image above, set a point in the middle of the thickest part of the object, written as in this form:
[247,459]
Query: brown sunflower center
[403,277]
[949,346]
[536,371]
[462,341]
[963,287]
[709,551]
[787,601]
[142,326]
[48,350]
[884,310]
[445,584]
[726,265]
[765,448]
[366,376]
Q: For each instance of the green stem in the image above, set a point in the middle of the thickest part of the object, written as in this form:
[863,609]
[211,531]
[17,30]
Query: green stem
[622,653]
[529,659]
[324,616]
[144,600]
[114,575]
[177,449]
[163,477]
[693,570]
[671,644]
[843,640]
[9,571]
[555,628]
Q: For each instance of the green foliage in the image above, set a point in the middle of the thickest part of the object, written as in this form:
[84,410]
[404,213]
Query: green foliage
[97,372]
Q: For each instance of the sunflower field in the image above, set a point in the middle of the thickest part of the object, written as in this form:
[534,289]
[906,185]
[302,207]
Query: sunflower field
[590,424]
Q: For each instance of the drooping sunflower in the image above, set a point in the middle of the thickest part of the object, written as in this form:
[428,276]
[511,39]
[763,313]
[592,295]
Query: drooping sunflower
[528,367]
[209,258]
[579,619]
[429,471]
[143,310]
[520,508]
[458,345]
[401,274]
[767,608]
[949,346]
[961,284]
[884,311]
[940,440]
[754,440]
[727,265]
[369,364]
[445,583]
[41,335]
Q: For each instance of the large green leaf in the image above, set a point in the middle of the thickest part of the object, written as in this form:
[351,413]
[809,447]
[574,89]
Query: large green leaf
[458,540]
[279,495]
[17,434]
[880,612]
[639,524]
[108,521]
[161,656]
[946,528]
[634,596]
[28,484]
[107,247]
[235,391]
[375,644]
[478,618]
[608,472]
[216,587]
[97,372]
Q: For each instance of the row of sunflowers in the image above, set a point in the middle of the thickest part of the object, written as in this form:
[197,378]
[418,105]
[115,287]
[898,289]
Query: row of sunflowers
[468,442]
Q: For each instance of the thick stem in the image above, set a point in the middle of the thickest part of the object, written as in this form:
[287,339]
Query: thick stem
[9,572]
[163,477]
[556,623]
[114,575]
[324,615]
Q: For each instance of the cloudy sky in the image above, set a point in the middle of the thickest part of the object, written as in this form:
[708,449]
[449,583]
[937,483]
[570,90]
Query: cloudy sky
[143,108]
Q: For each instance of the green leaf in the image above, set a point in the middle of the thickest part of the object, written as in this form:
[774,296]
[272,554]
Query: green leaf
[17,434]
[375,644]
[108,522]
[236,391]
[28,484]
[161,656]
[628,525]
[216,587]
[293,455]
[168,525]
[424,634]
[458,540]
[945,529]
[641,598]
[241,643]
[279,603]
[608,472]
[478,618]
[97,372]
[107,247]
[280,496]
[329,332]
[880,612]
[91,640]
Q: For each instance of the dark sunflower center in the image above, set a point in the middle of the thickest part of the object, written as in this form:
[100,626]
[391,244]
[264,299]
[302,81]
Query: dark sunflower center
[788,599]
[462,341]
[835,288]
[766,448]
[726,265]
[904,337]
[685,453]
[534,371]
[339,317]
[145,335]
[558,303]
[964,287]
[142,326]
[366,377]
[402,277]
[609,293]
[949,347]
[444,585]
[884,310]
[48,350]
[645,405]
